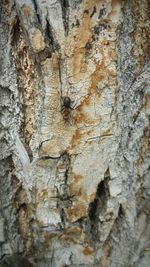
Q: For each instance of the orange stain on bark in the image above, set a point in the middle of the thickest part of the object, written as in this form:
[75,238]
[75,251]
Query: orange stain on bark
[46,148]
[76,177]
[73,231]
[48,237]
[88,251]
[75,190]
[96,78]
[79,135]
[76,138]
[75,212]
[116,2]
[84,34]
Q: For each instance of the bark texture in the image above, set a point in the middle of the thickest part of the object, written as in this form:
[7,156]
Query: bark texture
[74,179]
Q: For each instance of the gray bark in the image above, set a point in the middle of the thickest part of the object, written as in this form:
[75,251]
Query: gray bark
[74,178]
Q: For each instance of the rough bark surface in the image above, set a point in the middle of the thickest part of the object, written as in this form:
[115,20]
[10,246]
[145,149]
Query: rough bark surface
[74,179]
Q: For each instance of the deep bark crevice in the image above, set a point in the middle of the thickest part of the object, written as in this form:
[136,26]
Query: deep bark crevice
[98,207]
[50,36]
[36,10]
[65,14]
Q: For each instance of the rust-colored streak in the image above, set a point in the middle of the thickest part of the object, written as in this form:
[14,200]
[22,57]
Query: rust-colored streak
[73,231]
[76,138]
[81,116]
[79,136]
[83,34]
[85,102]
[99,75]
[73,234]
[117,2]
[75,212]
[86,24]
[78,117]
[75,187]
[75,190]
[96,77]
[76,177]
[88,251]
[78,64]
[48,237]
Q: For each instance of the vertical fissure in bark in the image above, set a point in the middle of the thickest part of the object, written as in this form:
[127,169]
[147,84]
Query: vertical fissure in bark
[36,10]
[60,79]
[49,35]
[25,67]
[98,207]
[65,14]
[64,198]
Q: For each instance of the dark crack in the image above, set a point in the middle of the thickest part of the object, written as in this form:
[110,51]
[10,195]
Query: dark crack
[37,10]
[65,14]
[98,207]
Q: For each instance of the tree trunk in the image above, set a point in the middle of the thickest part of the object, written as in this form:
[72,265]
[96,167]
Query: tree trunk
[74,132]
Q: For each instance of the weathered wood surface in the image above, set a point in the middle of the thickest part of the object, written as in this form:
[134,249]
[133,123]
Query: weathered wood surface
[75,180]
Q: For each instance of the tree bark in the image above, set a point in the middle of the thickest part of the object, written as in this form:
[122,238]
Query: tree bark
[74,132]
